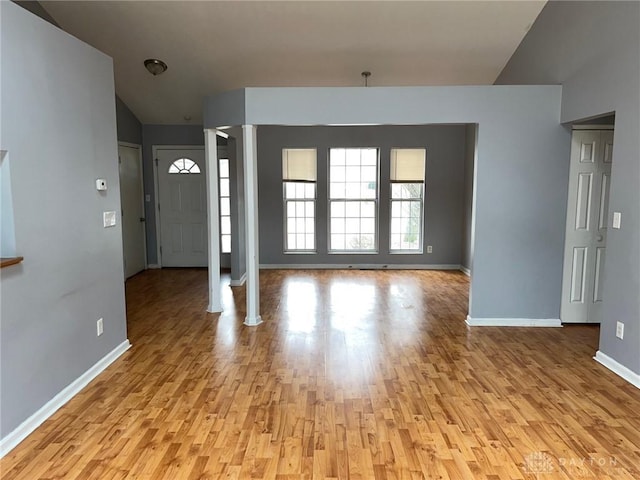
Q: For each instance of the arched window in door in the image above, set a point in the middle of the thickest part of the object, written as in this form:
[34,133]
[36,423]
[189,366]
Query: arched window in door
[184,165]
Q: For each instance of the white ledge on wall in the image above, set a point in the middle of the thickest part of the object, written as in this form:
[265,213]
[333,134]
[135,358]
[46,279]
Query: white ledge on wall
[513,322]
[629,375]
[9,442]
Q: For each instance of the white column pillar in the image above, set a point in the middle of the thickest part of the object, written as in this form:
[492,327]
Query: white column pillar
[251,224]
[213,220]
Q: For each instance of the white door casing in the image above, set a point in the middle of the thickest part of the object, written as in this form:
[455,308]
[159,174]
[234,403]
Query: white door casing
[132,204]
[182,208]
[586,229]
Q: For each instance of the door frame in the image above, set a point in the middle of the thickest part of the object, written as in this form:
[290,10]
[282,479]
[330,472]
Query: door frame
[566,229]
[144,210]
[156,185]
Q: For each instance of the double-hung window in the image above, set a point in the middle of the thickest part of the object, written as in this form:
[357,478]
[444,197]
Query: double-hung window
[353,198]
[407,199]
[299,176]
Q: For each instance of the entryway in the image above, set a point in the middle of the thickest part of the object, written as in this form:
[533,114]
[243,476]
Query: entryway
[182,207]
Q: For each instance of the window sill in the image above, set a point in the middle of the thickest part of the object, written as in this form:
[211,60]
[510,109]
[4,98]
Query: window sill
[8,261]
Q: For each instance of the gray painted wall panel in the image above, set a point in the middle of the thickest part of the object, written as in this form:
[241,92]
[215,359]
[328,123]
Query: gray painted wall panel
[72,273]
[600,74]
[129,127]
[238,236]
[443,190]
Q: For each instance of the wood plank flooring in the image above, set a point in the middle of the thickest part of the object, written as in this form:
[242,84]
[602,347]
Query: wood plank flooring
[353,375]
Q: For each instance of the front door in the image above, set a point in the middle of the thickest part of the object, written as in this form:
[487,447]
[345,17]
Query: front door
[586,234]
[182,204]
[133,230]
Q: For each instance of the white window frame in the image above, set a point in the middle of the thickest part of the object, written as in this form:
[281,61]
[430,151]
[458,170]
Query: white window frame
[375,201]
[285,207]
[220,178]
[420,249]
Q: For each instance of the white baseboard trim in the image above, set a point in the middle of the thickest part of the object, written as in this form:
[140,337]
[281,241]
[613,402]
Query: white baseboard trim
[10,441]
[355,266]
[513,322]
[238,283]
[153,266]
[465,270]
[629,375]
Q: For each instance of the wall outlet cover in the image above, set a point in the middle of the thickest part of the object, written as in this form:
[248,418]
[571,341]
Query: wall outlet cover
[620,330]
[109,219]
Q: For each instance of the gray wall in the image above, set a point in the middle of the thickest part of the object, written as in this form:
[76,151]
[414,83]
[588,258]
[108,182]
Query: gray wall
[521,173]
[72,273]
[238,236]
[129,127]
[600,73]
[161,135]
[443,190]
[467,207]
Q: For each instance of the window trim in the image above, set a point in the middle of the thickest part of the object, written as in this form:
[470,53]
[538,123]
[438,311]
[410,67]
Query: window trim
[420,250]
[285,234]
[220,197]
[376,202]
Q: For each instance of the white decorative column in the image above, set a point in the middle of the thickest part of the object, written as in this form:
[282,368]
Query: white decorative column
[213,220]
[251,224]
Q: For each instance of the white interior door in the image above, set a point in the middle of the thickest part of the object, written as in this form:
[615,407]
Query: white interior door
[132,202]
[182,207]
[587,219]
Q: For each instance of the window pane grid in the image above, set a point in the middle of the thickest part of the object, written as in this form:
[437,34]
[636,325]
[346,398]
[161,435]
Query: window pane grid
[353,193]
[406,217]
[225,205]
[299,207]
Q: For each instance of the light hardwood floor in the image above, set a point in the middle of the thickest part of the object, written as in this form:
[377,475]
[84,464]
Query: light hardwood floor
[354,374]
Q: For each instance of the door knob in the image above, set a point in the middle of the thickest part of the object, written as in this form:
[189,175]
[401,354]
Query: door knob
[142,219]
[599,238]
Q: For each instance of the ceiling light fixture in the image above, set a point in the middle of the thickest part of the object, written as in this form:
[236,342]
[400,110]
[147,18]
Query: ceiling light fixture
[366,76]
[155,66]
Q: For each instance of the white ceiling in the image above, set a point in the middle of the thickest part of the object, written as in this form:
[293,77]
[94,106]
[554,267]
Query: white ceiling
[213,46]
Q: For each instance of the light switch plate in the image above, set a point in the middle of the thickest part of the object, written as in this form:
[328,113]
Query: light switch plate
[617,217]
[109,219]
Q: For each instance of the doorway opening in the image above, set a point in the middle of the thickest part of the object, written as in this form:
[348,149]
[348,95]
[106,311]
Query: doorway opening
[588,219]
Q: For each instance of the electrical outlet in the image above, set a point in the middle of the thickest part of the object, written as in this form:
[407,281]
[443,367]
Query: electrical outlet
[620,330]
[429,249]
[99,327]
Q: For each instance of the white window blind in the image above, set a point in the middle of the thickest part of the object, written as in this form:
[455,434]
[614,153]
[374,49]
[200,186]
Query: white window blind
[407,164]
[299,164]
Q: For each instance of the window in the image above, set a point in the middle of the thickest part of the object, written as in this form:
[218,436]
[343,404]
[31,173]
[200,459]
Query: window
[184,165]
[353,196]
[407,193]
[299,189]
[225,206]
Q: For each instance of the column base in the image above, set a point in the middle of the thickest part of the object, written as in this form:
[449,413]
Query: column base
[253,321]
[214,309]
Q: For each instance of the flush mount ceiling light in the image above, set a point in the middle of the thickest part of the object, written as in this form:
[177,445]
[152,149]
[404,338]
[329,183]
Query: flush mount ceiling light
[155,66]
